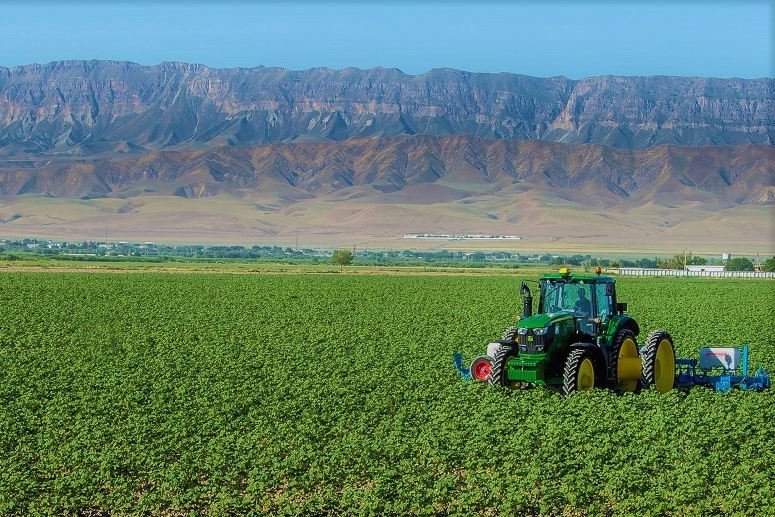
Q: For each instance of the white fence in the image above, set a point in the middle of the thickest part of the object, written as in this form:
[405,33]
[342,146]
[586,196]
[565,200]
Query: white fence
[636,271]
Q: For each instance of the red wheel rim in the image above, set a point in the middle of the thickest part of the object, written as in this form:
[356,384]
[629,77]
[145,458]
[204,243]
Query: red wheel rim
[481,369]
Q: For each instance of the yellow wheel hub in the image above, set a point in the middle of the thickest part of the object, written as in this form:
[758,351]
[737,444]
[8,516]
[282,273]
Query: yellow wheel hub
[664,367]
[628,369]
[586,379]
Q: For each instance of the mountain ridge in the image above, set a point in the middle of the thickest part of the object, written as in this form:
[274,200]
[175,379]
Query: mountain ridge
[735,175]
[79,106]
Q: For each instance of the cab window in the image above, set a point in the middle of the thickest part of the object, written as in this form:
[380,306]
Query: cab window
[601,301]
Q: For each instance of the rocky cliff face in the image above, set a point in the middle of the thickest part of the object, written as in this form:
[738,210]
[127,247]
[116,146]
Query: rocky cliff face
[455,166]
[93,107]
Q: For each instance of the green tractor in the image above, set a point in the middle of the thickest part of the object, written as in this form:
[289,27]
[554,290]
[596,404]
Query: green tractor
[580,338]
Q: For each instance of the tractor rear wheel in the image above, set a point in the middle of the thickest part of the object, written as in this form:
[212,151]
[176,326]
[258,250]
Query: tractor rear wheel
[579,373]
[498,375]
[624,349]
[658,357]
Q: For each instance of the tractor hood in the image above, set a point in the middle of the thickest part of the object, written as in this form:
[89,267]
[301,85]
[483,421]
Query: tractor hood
[538,321]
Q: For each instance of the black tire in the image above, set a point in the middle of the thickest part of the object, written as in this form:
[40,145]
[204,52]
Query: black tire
[658,356]
[510,334]
[622,336]
[498,374]
[580,373]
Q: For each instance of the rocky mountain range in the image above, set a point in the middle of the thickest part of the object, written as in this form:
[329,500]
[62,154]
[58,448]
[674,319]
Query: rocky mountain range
[193,153]
[88,107]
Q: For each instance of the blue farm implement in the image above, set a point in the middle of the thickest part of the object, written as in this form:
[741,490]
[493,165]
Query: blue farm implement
[722,369]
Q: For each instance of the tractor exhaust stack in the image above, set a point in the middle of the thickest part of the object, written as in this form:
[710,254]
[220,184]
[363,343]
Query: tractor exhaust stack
[527,310]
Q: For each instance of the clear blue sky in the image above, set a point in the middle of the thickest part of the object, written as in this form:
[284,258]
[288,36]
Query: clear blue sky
[576,39]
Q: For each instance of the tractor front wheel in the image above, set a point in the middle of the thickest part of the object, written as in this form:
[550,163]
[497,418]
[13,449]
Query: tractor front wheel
[579,373]
[498,375]
[510,334]
[658,357]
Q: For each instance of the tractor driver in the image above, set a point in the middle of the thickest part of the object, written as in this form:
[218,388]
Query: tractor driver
[583,305]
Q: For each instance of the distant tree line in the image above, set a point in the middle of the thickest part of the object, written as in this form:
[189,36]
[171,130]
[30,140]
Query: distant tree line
[92,250]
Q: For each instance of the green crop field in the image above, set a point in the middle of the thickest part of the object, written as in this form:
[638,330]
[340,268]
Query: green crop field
[169,394]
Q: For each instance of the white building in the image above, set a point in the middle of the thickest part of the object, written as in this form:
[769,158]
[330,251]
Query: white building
[705,268]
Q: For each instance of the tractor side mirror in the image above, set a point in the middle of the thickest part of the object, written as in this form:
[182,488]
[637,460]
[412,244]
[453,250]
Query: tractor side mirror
[524,290]
[621,308]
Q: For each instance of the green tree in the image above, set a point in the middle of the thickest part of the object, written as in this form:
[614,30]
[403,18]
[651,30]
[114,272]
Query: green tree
[739,264]
[342,257]
[769,264]
[677,261]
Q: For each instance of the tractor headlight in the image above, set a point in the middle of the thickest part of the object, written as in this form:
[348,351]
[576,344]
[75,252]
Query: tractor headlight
[522,331]
[540,332]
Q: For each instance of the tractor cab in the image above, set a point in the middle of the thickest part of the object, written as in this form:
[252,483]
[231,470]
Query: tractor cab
[585,296]
[589,299]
